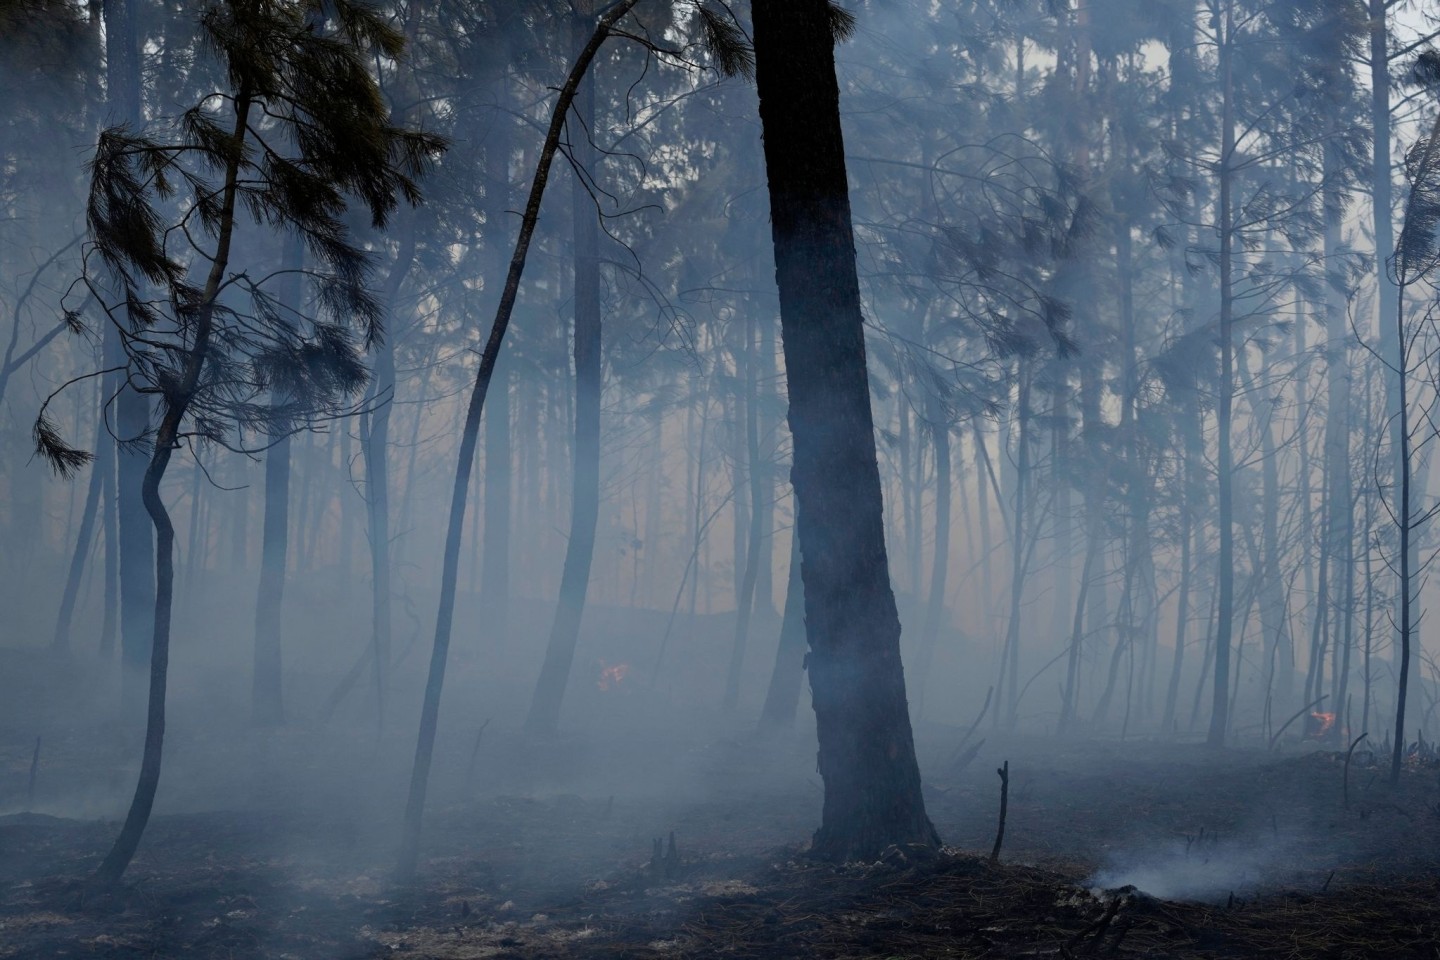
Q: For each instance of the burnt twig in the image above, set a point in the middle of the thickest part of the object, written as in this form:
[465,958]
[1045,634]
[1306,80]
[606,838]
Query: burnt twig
[1004,773]
[34,771]
[1346,779]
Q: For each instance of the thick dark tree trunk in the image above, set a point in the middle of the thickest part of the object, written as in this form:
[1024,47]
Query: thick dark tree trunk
[544,715]
[867,752]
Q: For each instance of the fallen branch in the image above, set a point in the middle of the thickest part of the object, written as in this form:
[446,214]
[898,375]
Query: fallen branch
[989,694]
[1298,714]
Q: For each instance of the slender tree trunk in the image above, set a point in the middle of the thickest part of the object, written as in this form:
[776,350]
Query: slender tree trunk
[1010,668]
[746,600]
[375,450]
[176,402]
[866,750]
[939,424]
[469,440]
[544,715]
[85,539]
[1070,701]
[105,465]
[495,554]
[783,697]
[267,704]
[137,545]
[1225,611]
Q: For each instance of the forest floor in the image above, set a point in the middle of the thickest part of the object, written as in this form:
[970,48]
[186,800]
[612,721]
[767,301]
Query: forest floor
[1139,849]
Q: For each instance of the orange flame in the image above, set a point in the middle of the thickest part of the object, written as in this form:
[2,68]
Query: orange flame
[1319,725]
[612,676]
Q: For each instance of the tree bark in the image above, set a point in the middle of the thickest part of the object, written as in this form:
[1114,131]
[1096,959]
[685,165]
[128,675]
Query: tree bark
[867,753]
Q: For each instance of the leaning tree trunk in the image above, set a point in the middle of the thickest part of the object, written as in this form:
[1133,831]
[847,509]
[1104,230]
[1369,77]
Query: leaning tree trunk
[867,752]
[544,715]
[469,439]
[176,402]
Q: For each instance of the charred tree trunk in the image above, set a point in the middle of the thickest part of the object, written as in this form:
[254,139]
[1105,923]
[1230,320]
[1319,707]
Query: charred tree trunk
[469,440]
[867,753]
[177,398]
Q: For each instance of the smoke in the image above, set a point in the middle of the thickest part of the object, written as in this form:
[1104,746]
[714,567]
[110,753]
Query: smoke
[1200,866]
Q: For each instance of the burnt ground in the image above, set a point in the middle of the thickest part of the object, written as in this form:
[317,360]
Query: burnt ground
[1140,849]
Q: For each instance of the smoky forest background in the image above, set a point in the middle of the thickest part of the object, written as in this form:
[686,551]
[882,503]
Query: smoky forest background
[614,477]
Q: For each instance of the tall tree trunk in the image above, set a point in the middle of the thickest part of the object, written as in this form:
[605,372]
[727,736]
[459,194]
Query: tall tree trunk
[867,752]
[753,542]
[1010,664]
[469,440]
[84,540]
[544,715]
[177,399]
[939,424]
[783,697]
[105,464]
[136,537]
[495,555]
[1225,610]
[375,450]
[267,704]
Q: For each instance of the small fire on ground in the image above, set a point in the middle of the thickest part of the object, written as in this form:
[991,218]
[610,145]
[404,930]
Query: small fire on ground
[1319,725]
[612,676]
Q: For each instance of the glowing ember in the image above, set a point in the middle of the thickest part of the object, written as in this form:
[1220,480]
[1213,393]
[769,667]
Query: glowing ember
[612,676]
[1318,725]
